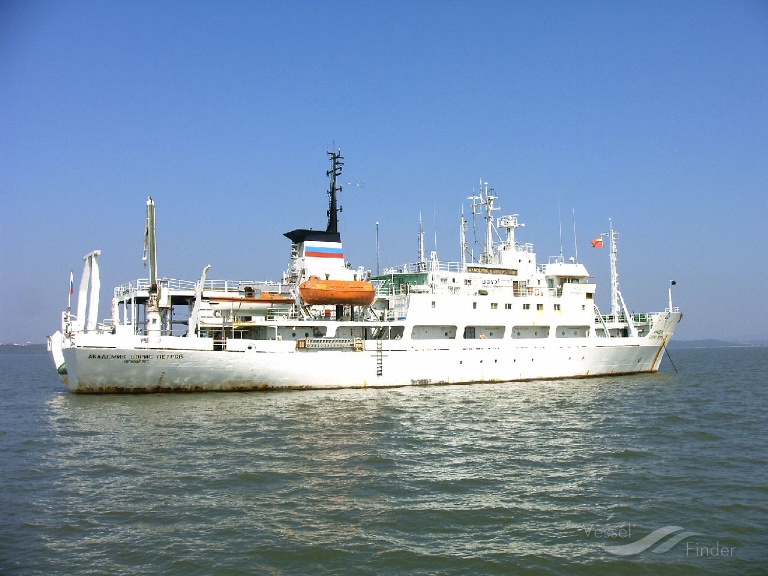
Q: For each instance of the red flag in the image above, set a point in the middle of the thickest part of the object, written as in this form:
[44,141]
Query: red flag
[597,242]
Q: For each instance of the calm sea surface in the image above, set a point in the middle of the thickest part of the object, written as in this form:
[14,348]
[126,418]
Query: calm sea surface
[538,478]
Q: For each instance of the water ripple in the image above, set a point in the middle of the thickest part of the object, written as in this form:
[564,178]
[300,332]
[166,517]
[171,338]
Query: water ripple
[540,477]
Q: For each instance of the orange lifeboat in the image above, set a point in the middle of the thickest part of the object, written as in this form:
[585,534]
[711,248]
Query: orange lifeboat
[339,292]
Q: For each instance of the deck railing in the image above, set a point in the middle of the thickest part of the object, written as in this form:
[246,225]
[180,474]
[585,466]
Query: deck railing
[641,318]
[175,285]
[426,266]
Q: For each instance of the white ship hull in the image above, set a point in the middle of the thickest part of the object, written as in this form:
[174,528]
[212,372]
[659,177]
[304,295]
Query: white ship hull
[281,365]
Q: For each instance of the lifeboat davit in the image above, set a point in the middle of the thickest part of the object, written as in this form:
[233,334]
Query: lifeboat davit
[339,292]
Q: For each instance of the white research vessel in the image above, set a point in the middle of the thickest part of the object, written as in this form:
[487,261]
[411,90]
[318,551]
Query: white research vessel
[501,317]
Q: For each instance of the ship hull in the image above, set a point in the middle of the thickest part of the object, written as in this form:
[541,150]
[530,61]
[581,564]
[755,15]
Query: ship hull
[273,365]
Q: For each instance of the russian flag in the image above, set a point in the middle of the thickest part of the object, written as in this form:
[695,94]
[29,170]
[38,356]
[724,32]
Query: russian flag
[71,283]
[323,251]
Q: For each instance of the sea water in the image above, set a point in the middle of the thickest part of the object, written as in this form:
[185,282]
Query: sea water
[651,474]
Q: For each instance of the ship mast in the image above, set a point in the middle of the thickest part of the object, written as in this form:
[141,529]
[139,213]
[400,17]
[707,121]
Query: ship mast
[489,199]
[484,202]
[614,248]
[337,165]
[150,243]
[422,258]
[154,317]
[463,237]
[617,300]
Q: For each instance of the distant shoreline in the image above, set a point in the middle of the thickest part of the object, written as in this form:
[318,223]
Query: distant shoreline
[711,343]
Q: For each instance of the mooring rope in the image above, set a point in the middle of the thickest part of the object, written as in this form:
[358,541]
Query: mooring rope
[670,358]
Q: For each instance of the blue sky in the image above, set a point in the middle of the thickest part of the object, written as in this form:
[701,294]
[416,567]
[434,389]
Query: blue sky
[654,114]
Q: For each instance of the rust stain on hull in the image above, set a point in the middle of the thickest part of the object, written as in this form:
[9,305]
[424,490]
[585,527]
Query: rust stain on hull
[163,387]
